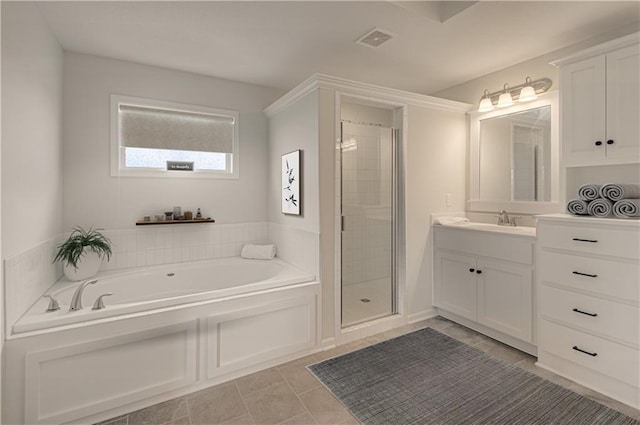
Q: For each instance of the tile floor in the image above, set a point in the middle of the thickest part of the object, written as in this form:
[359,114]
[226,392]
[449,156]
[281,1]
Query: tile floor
[289,395]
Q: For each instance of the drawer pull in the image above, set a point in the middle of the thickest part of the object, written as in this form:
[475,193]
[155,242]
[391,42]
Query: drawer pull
[584,351]
[585,274]
[584,312]
[472,270]
[585,240]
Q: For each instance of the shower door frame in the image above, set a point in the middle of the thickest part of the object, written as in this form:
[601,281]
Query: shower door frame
[400,307]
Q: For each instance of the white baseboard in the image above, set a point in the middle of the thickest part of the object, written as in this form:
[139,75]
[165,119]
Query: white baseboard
[328,343]
[421,315]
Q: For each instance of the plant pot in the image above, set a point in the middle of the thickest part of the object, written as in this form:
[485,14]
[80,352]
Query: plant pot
[88,266]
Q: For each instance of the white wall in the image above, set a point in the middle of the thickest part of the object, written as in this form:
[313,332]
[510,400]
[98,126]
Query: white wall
[93,198]
[294,128]
[298,237]
[435,151]
[31,135]
[31,167]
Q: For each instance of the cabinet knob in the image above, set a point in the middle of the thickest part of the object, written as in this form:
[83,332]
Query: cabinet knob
[478,271]
[599,143]
[610,142]
[472,270]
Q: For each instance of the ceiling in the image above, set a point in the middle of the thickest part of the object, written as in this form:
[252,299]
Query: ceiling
[279,44]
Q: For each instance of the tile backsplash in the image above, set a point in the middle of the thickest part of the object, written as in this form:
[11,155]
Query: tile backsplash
[27,276]
[164,244]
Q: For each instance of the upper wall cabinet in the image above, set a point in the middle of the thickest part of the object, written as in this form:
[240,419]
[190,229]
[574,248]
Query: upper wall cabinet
[600,98]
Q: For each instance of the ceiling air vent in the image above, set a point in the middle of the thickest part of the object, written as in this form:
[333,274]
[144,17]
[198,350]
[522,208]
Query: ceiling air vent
[375,37]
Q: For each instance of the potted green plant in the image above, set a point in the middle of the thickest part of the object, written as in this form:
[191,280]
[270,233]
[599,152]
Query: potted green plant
[82,253]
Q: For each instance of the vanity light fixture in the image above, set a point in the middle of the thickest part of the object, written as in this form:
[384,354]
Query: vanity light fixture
[505,98]
[522,93]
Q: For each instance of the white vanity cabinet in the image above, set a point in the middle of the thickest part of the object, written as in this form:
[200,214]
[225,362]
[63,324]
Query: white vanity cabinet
[588,302]
[484,280]
[600,101]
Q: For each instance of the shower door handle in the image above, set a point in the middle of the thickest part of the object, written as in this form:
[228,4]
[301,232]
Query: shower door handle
[342,223]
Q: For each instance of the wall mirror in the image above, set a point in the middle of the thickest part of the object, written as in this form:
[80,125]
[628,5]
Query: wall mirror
[513,162]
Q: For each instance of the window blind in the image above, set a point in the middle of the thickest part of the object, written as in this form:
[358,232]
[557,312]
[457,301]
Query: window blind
[144,127]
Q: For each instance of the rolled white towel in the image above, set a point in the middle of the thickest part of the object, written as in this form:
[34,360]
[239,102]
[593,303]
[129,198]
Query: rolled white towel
[618,191]
[589,192]
[258,252]
[451,220]
[600,207]
[578,207]
[627,208]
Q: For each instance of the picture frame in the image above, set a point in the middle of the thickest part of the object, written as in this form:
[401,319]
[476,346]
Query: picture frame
[291,196]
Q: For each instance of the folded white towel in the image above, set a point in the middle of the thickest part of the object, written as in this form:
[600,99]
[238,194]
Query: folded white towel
[618,191]
[577,207]
[627,208]
[600,207]
[258,252]
[451,220]
[589,192]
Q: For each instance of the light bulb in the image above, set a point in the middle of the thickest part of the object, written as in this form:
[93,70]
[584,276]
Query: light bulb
[528,93]
[505,98]
[485,103]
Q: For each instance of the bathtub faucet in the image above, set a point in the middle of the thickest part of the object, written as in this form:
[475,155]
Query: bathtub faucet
[76,301]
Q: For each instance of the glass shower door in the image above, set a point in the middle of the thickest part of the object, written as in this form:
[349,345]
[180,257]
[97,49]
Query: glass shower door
[367,237]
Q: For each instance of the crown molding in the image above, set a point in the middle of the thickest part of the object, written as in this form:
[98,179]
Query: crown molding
[599,49]
[371,91]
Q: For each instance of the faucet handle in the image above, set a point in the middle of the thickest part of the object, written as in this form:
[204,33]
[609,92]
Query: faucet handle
[99,304]
[513,220]
[53,304]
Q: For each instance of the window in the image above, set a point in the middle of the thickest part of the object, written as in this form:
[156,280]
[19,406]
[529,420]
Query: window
[147,135]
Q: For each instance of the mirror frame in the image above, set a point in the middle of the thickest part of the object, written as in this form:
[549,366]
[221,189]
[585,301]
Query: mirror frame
[474,203]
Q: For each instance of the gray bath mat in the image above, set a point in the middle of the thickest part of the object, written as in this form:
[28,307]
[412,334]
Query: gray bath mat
[426,377]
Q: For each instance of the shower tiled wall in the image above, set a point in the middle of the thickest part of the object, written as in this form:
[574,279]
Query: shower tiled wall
[366,204]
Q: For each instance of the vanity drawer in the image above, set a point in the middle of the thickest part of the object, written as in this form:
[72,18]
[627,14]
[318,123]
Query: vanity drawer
[499,247]
[605,317]
[608,277]
[611,359]
[593,240]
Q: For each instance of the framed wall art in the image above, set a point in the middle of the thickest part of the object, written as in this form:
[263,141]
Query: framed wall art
[291,183]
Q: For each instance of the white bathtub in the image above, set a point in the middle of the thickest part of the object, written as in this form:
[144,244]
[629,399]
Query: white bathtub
[161,287]
[166,331]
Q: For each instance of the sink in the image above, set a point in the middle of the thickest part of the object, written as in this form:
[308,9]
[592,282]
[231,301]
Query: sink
[486,227]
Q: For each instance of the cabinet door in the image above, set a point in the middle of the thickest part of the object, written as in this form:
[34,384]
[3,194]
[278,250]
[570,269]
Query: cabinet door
[455,283]
[623,105]
[505,298]
[583,111]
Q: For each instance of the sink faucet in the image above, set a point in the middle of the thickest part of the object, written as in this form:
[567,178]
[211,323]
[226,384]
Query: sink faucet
[76,301]
[503,218]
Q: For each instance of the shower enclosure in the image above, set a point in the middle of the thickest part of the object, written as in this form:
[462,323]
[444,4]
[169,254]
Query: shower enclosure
[368,180]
